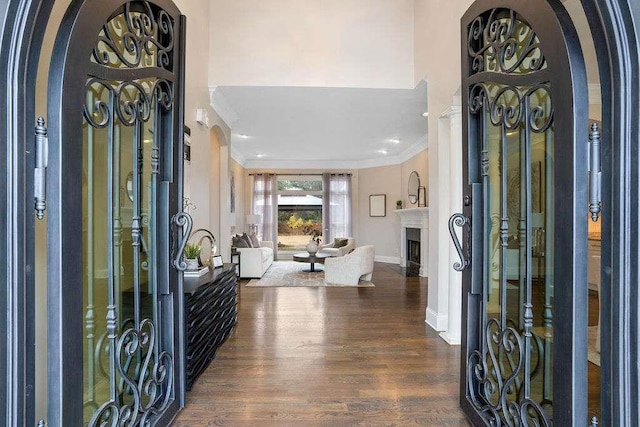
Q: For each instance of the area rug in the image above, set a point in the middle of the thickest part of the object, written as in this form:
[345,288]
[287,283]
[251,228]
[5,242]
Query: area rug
[291,274]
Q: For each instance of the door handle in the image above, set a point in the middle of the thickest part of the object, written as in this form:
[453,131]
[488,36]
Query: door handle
[184,222]
[459,220]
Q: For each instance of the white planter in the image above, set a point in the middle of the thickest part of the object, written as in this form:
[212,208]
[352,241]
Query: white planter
[192,264]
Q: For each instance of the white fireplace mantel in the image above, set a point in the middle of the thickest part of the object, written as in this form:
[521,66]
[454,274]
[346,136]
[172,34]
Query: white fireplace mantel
[414,218]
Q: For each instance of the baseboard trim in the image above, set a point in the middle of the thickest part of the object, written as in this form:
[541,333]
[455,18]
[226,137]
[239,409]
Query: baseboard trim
[451,341]
[388,259]
[439,322]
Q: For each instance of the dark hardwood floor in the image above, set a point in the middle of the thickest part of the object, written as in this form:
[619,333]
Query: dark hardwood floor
[331,357]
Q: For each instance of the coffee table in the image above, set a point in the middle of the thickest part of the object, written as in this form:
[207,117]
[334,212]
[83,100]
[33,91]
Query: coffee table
[312,259]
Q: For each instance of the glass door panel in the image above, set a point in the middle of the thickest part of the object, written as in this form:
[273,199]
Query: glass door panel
[516,362]
[123,361]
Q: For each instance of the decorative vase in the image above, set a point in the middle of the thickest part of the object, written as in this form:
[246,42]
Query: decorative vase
[312,247]
[192,264]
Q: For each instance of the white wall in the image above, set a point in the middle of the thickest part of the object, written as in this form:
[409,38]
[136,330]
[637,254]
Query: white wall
[419,164]
[210,154]
[334,43]
[437,59]
[382,232]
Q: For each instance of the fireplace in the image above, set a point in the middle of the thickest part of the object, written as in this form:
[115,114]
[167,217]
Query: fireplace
[414,240]
[413,252]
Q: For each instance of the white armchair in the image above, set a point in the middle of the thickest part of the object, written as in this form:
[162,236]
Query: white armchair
[341,251]
[349,269]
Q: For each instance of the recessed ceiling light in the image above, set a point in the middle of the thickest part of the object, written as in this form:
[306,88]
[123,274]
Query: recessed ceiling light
[395,140]
[243,136]
[382,151]
[258,155]
[425,114]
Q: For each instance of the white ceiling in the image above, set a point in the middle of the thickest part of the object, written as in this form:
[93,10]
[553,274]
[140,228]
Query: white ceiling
[307,127]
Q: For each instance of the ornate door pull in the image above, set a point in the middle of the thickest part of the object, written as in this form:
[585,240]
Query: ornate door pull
[185,223]
[459,220]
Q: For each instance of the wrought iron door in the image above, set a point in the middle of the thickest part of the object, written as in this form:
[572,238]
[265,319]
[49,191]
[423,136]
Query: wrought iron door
[116,123]
[524,263]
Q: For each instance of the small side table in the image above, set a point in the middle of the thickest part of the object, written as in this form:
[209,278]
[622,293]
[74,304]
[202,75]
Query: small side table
[236,255]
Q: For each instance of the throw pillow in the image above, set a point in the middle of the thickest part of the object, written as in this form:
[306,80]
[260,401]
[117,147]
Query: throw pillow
[246,239]
[254,240]
[339,242]
[239,242]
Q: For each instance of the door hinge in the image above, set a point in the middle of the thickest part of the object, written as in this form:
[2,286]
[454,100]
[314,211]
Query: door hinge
[40,172]
[595,173]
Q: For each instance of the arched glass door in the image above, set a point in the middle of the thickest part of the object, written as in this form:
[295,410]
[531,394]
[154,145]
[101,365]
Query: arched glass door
[115,114]
[524,350]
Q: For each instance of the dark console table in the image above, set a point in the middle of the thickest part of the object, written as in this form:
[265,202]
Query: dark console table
[211,313]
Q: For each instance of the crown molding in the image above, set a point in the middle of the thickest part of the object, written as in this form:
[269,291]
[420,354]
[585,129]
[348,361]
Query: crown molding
[238,157]
[451,111]
[222,107]
[418,146]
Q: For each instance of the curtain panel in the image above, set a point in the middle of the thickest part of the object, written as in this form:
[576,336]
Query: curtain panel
[265,204]
[336,206]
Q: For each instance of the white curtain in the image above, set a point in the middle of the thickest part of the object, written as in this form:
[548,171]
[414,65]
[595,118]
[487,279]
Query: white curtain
[265,204]
[336,206]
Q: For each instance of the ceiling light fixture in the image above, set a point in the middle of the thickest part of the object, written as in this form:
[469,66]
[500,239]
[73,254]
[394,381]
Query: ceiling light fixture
[382,151]
[425,114]
[395,140]
[243,136]
[258,155]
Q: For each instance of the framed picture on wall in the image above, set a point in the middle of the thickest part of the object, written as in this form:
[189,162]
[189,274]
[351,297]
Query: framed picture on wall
[378,205]
[422,197]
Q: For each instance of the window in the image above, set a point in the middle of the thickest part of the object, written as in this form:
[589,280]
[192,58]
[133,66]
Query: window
[299,211]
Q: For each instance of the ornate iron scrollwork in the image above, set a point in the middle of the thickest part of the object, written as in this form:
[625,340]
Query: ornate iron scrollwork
[495,378]
[510,109]
[142,36]
[146,383]
[459,220]
[129,375]
[503,43]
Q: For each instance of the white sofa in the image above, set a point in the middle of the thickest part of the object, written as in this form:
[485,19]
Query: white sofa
[335,252]
[349,269]
[255,261]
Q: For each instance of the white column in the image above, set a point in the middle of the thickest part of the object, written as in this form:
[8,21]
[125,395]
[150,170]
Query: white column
[454,285]
[403,246]
[439,266]
[424,251]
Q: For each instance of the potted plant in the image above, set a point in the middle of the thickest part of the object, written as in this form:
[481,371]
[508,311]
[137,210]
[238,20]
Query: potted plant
[191,254]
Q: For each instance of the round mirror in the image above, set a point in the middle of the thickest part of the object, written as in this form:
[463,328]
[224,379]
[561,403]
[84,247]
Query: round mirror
[414,184]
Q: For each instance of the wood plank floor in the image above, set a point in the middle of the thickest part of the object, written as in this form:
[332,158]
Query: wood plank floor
[331,357]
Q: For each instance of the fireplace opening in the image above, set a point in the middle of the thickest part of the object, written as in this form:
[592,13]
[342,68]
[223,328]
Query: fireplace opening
[413,252]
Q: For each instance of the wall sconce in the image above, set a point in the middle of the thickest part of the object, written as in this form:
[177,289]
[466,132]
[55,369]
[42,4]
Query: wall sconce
[202,117]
